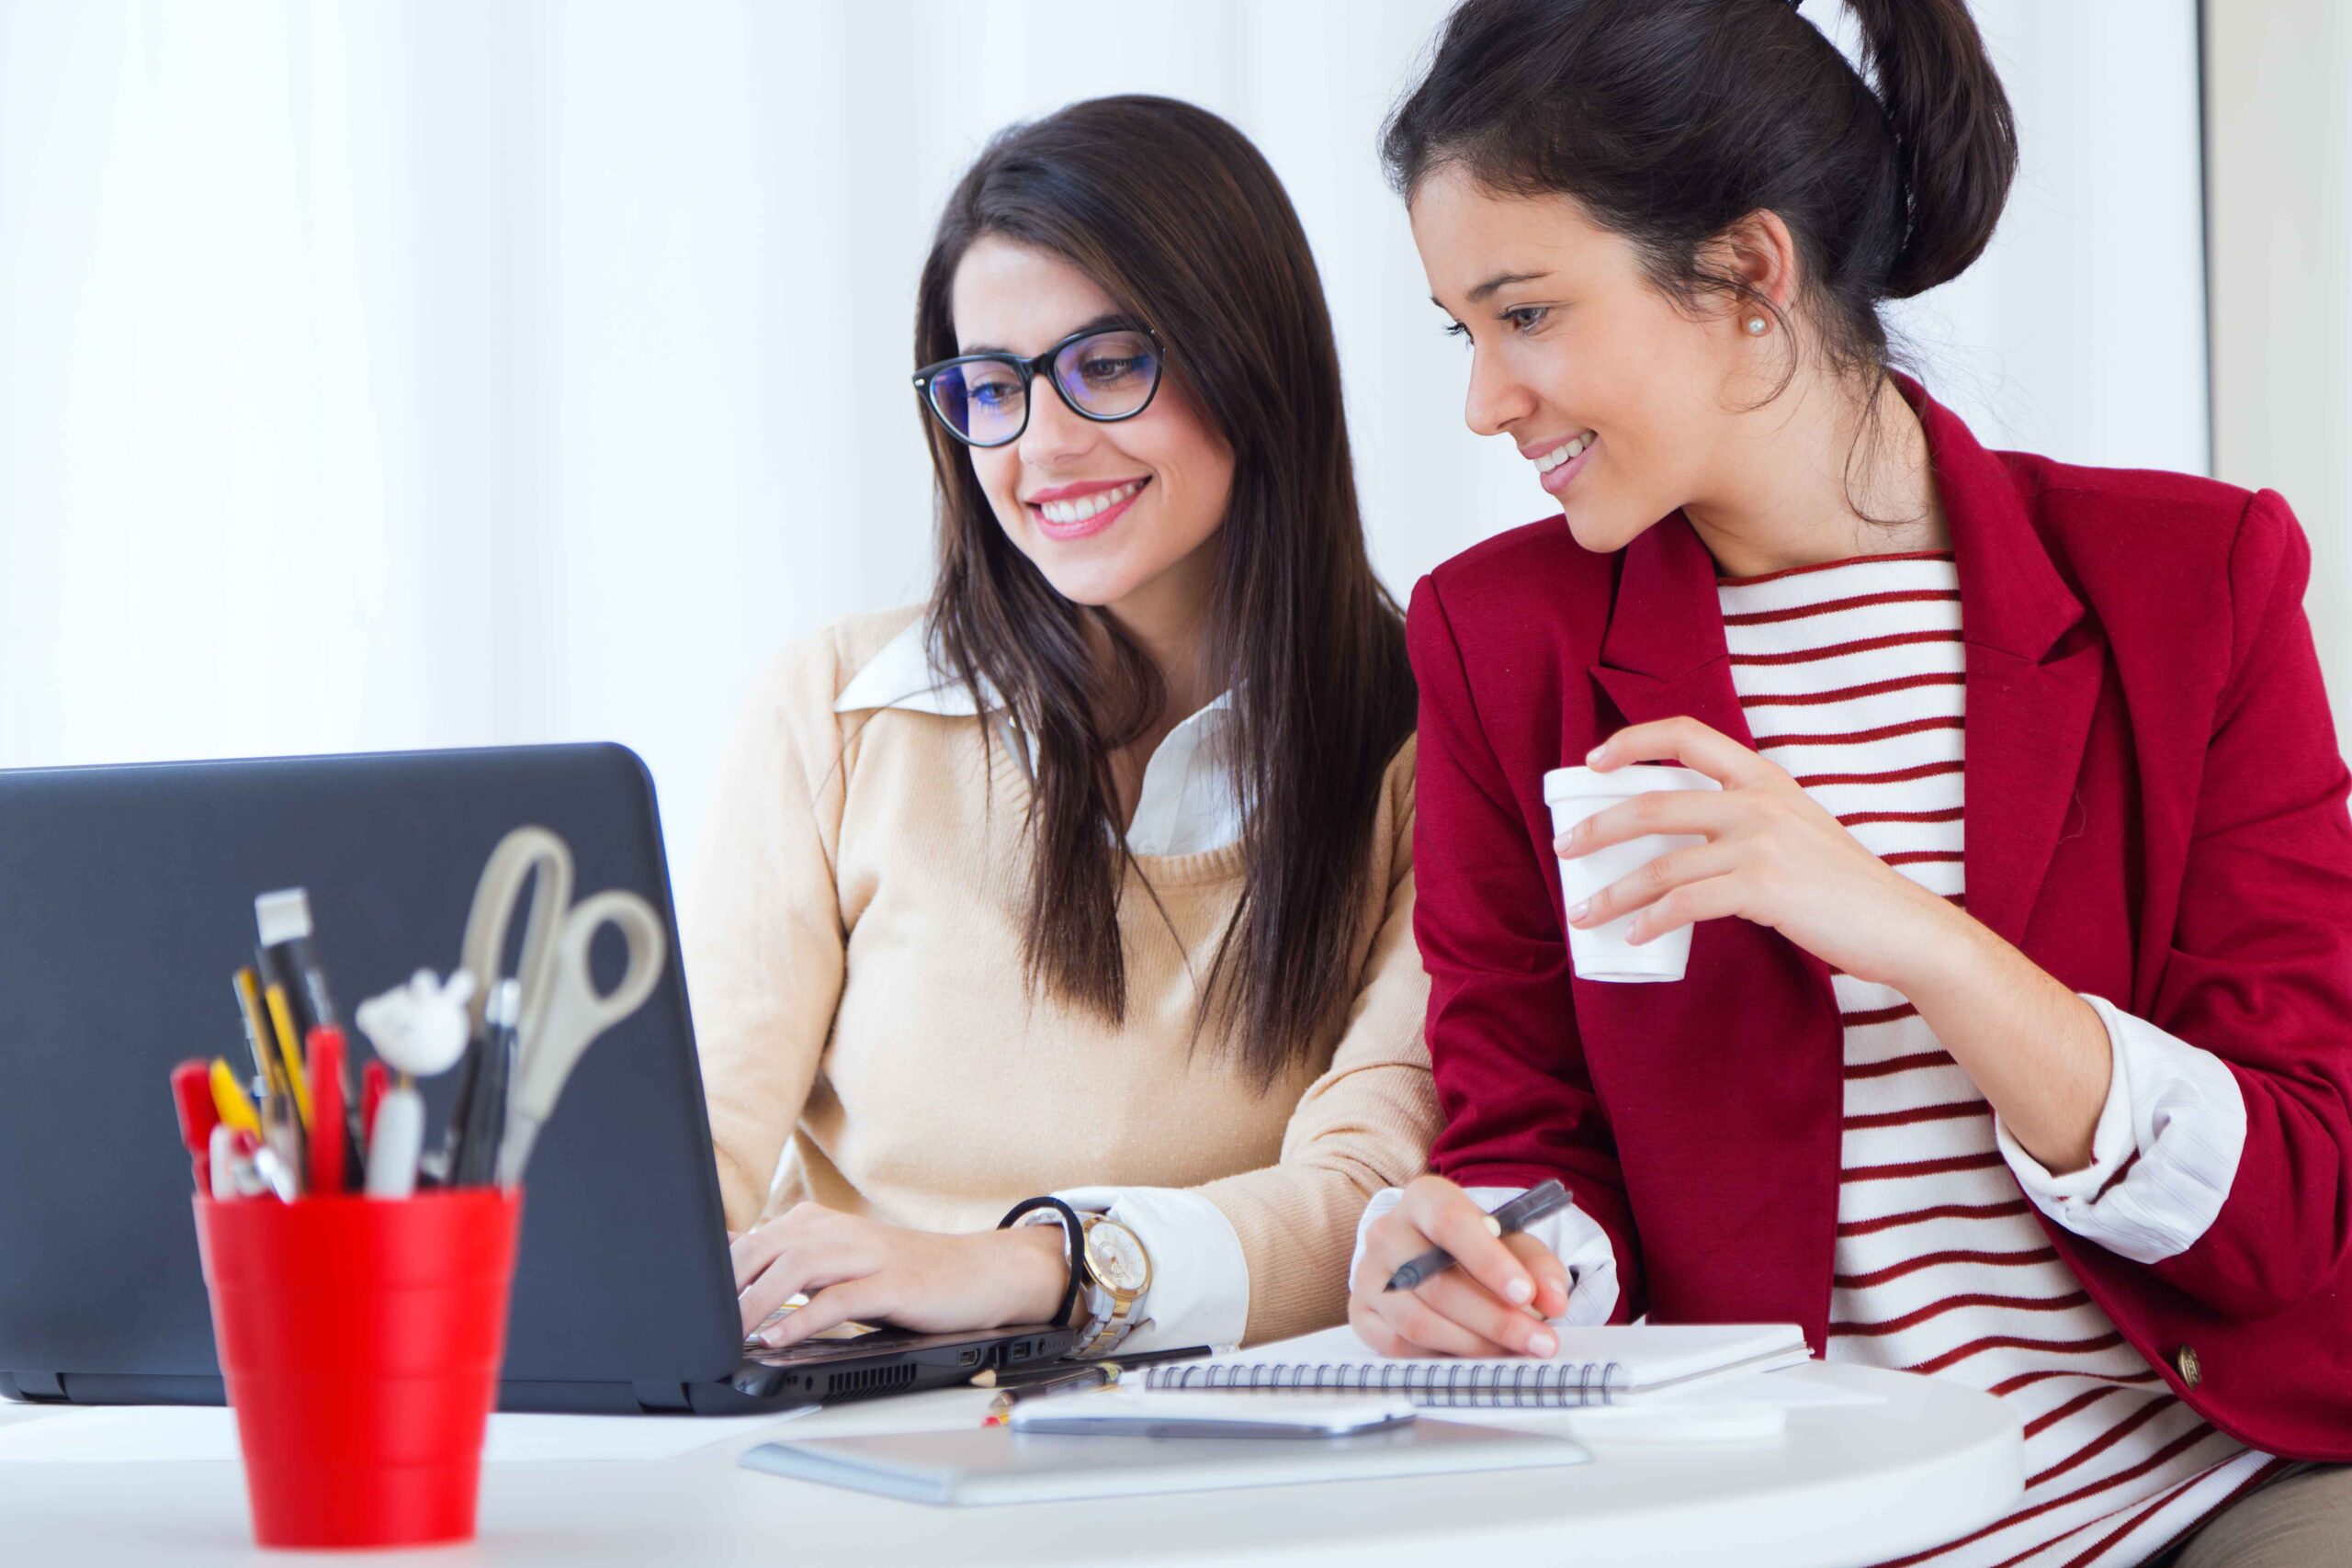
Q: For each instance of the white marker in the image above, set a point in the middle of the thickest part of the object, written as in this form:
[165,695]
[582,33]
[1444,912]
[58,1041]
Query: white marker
[399,1138]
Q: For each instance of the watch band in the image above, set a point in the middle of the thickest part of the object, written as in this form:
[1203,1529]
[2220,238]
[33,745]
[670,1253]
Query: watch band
[1073,1244]
[1113,1329]
[1103,1331]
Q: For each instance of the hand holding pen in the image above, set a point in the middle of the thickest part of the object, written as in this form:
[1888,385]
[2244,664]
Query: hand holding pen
[1476,1293]
[1508,1219]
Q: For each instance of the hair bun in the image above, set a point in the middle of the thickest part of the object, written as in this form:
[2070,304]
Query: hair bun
[1955,136]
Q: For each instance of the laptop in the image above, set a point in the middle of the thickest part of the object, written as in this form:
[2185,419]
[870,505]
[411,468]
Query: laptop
[126,903]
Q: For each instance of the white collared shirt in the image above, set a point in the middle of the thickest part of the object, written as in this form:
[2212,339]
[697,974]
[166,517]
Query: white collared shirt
[1190,804]
[1191,801]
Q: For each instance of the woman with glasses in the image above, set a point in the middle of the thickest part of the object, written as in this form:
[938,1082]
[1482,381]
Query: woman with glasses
[1081,895]
[2014,1045]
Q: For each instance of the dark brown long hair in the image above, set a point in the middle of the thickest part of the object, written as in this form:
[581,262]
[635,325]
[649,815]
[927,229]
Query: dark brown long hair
[1175,215]
[1670,120]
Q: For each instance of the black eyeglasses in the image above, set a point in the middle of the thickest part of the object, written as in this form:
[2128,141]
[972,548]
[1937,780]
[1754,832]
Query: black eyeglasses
[1105,374]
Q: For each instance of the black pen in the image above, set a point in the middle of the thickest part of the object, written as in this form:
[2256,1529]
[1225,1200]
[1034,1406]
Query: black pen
[1507,1220]
[480,1119]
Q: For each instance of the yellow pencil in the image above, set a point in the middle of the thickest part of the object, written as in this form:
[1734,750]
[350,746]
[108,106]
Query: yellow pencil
[228,1100]
[282,1017]
[257,1032]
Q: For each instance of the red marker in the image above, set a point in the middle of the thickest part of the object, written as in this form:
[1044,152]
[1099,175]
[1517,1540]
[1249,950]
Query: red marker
[374,1079]
[192,1093]
[325,1070]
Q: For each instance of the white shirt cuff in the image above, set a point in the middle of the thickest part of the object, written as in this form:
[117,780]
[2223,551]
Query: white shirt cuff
[2177,1108]
[1199,1293]
[1573,1237]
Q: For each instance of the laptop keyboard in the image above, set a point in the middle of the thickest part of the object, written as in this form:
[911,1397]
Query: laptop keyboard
[832,1345]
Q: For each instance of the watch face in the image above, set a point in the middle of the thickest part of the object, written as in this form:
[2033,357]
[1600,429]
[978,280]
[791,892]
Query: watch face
[1116,1258]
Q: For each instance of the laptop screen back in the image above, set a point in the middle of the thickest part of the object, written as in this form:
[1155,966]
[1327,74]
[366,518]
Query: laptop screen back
[126,904]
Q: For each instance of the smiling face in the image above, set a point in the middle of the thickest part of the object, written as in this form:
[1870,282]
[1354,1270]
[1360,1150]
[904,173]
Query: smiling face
[1122,515]
[1623,404]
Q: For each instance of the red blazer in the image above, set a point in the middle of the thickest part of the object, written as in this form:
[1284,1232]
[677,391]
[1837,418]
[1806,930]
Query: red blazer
[2156,814]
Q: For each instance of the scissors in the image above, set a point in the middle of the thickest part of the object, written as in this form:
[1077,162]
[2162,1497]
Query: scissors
[560,1012]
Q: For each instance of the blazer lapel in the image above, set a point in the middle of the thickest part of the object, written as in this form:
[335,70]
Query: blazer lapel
[1663,655]
[2032,687]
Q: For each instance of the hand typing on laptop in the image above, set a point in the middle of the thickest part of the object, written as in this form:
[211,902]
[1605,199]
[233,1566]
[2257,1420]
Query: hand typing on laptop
[854,1270]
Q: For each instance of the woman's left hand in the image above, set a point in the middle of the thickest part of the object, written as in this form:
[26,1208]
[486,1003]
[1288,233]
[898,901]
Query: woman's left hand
[854,1268]
[1772,855]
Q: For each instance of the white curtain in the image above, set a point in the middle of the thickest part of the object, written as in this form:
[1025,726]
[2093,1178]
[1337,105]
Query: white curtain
[383,376]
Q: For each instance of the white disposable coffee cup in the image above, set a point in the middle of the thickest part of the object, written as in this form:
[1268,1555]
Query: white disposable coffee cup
[1603,953]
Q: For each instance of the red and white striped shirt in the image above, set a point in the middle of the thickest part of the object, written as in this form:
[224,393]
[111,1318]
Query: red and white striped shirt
[1851,677]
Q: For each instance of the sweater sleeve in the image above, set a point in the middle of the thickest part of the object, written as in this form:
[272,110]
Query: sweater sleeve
[761,926]
[1363,1124]
[1519,1104]
[2259,970]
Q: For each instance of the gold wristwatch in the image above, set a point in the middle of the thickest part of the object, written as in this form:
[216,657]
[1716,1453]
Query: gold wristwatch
[1114,1272]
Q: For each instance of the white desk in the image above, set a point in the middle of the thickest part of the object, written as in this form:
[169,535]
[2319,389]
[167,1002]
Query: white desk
[1849,1485]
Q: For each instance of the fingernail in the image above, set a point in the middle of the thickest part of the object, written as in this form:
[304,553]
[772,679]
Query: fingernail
[1541,1343]
[771,1337]
[1594,755]
[1578,911]
[1519,1289]
[1494,1225]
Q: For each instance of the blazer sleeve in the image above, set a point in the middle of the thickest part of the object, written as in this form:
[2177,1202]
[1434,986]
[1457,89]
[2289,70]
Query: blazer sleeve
[760,923]
[1519,1103]
[2259,970]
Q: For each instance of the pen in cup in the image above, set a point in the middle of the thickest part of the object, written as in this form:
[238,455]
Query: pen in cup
[289,1049]
[230,1101]
[288,959]
[222,1157]
[192,1098]
[328,1143]
[419,1030]
[481,1118]
[259,1036]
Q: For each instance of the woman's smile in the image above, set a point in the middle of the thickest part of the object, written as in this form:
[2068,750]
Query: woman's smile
[1079,510]
[1561,462]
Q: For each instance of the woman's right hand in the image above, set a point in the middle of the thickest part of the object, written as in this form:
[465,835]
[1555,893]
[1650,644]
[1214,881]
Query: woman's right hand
[1493,1301]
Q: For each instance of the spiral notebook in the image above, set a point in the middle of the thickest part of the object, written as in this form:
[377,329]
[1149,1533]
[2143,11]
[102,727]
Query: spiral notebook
[1593,1365]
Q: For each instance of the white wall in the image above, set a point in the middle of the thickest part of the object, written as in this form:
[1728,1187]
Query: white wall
[382,377]
[2279,123]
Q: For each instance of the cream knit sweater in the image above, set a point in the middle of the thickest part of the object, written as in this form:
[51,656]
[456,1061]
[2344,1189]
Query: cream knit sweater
[852,940]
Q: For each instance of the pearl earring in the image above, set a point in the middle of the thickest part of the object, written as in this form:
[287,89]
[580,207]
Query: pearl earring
[1755,326]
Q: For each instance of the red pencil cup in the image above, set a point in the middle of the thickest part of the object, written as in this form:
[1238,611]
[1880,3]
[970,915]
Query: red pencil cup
[360,1340]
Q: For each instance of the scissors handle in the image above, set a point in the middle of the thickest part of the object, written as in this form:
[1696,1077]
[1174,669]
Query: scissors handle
[524,851]
[575,1012]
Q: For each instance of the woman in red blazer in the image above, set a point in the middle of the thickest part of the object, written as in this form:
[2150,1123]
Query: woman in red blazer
[2026,1061]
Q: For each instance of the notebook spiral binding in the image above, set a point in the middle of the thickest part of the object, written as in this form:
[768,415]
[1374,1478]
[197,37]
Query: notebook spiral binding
[1492,1384]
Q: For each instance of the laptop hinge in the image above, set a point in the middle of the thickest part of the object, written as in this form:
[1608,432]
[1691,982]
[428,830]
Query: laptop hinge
[38,1385]
[653,1396]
